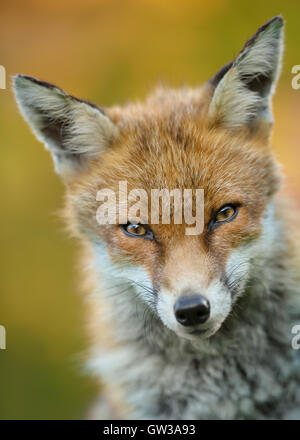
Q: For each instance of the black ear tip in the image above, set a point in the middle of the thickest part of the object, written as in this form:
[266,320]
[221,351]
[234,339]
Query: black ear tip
[276,21]
[20,77]
[17,78]
[19,82]
[275,25]
[24,80]
[278,18]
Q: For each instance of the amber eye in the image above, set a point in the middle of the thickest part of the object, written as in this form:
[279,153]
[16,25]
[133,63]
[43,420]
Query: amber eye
[225,214]
[137,230]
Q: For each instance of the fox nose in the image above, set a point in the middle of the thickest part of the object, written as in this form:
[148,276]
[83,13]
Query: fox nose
[192,310]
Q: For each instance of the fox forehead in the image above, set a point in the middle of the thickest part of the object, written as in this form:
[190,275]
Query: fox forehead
[160,147]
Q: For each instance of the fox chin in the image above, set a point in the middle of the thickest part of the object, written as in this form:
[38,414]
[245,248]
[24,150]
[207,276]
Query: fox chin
[182,325]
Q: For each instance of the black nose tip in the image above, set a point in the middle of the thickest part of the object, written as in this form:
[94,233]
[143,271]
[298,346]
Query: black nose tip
[191,310]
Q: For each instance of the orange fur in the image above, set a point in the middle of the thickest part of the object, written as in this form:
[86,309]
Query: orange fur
[164,147]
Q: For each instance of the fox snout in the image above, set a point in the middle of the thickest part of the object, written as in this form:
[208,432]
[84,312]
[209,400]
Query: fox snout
[192,310]
[190,313]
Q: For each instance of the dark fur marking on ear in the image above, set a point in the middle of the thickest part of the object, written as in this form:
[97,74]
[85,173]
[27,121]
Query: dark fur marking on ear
[220,74]
[54,129]
[260,83]
[54,87]
[91,104]
[41,83]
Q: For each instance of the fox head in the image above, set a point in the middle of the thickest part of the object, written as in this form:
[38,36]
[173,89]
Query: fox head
[214,138]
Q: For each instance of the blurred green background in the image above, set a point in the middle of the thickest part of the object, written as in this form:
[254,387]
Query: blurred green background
[108,52]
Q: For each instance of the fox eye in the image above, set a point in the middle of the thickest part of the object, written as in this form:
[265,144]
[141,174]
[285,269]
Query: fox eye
[226,213]
[137,230]
[223,215]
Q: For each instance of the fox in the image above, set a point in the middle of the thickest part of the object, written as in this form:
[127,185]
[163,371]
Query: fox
[183,326]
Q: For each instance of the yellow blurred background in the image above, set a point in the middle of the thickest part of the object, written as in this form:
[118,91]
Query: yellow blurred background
[107,51]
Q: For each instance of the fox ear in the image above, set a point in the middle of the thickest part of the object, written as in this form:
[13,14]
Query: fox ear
[243,88]
[73,130]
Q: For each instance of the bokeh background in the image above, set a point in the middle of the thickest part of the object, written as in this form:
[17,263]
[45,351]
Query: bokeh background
[107,51]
